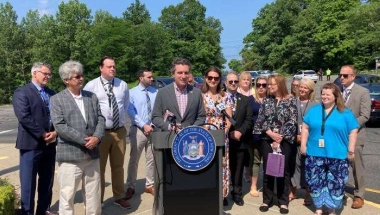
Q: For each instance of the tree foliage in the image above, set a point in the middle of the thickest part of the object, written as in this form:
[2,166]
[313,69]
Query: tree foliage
[289,35]
[133,40]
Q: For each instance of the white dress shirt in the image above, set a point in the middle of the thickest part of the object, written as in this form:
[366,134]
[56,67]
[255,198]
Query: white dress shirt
[79,101]
[121,92]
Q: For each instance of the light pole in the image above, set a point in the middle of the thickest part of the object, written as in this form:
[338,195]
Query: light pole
[377,61]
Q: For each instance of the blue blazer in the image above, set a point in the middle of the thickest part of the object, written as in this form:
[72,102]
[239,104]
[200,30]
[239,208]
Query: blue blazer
[32,116]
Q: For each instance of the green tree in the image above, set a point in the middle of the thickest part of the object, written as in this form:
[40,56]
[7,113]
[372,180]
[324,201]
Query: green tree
[193,35]
[10,53]
[236,65]
[137,13]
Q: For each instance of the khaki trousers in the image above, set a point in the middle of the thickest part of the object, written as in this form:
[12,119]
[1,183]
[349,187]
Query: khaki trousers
[139,142]
[113,144]
[69,177]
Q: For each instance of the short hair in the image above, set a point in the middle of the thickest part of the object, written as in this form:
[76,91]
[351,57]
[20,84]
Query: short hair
[352,67]
[205,86]
[337,94]
[101,62]
[281,84]
[256,94]
[141,70]
[68,68]
[232,73]
[38,65]
[311,86]
[179,61]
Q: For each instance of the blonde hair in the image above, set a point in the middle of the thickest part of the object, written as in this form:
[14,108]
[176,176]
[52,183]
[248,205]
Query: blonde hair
[311,86]
[256,94]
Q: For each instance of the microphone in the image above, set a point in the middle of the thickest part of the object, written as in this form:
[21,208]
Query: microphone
[222,108]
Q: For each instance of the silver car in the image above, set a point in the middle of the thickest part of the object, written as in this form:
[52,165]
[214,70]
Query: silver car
[311,74]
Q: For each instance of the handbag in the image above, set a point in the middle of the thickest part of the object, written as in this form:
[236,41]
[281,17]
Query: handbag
[275,164]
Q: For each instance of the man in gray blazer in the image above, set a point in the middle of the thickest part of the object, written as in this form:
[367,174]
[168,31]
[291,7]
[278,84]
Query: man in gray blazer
[178,99]
[78,120]
[358,100]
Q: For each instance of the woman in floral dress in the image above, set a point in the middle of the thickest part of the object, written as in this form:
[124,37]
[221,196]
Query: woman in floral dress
[212,95]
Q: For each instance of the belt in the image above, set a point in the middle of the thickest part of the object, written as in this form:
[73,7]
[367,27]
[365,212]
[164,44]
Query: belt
[113,129]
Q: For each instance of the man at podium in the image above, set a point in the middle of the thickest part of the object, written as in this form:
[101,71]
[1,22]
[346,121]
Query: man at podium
[178,105]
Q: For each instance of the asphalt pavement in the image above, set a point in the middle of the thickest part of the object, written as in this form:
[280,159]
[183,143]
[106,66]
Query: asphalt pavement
[142,202]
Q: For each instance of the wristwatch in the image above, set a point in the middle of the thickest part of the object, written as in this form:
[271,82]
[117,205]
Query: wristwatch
[351,152]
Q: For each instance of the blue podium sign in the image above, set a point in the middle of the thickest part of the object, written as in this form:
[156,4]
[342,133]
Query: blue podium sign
[193,148]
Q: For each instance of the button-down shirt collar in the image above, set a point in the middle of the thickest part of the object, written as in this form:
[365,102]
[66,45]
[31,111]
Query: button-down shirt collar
[79,102]
[349,87]
[181,96]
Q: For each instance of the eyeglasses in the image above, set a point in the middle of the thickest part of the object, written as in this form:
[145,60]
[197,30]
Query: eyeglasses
[233,82]
[213,77]
[77,77]
[258,85]
[272,84]
[46,74]
[344,75]
[295,85]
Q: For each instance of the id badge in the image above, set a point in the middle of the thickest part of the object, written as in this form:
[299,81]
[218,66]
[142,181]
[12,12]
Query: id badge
[321,143]
[109,116]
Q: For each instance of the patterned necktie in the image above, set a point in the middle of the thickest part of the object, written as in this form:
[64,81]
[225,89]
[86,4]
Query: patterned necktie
[45,98]
[115,108]
[346,94]
[149,105]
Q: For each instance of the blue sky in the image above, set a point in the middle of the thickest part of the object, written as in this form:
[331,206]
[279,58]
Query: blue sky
[235,16]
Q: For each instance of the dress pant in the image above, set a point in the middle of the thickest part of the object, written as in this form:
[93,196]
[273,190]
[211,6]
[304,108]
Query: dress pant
[282,183]
[358,172]
[39,162]
[113,144]
[69,176]
[237,167]
[139,142]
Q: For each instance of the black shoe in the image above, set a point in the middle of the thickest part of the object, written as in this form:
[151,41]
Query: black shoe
[284,210]
[238,200]
[225,202]
[264,208]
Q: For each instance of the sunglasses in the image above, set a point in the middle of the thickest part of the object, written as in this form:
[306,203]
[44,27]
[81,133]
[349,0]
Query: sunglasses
[212,77]
[344,75]
[77,76]
[258,85]
[233,82]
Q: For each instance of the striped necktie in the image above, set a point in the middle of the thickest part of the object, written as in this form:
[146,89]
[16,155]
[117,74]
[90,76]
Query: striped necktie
[346,95]
[149,105]
[115,108]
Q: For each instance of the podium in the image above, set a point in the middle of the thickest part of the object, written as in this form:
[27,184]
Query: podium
[178,191]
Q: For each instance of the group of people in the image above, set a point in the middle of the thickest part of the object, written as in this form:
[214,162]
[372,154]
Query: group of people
[82,127]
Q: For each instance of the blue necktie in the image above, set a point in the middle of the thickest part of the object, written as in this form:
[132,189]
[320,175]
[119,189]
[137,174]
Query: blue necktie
[149,105]
[45,98]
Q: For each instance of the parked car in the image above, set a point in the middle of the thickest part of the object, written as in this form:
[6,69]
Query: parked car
[311,74]
[374,92]
[199,81]
[254,75]
[265,73]
[161,82]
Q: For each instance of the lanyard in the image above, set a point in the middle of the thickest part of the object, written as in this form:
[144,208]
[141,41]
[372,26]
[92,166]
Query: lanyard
[304,111]
[110,90]
[325,118]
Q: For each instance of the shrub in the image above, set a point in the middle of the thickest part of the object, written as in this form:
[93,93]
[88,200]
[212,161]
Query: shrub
[7,198]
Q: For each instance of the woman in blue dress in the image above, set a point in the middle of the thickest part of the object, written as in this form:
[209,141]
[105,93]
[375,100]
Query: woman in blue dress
[328,139]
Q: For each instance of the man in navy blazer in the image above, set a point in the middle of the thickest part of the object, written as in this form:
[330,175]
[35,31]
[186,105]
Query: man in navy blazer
[36,140]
